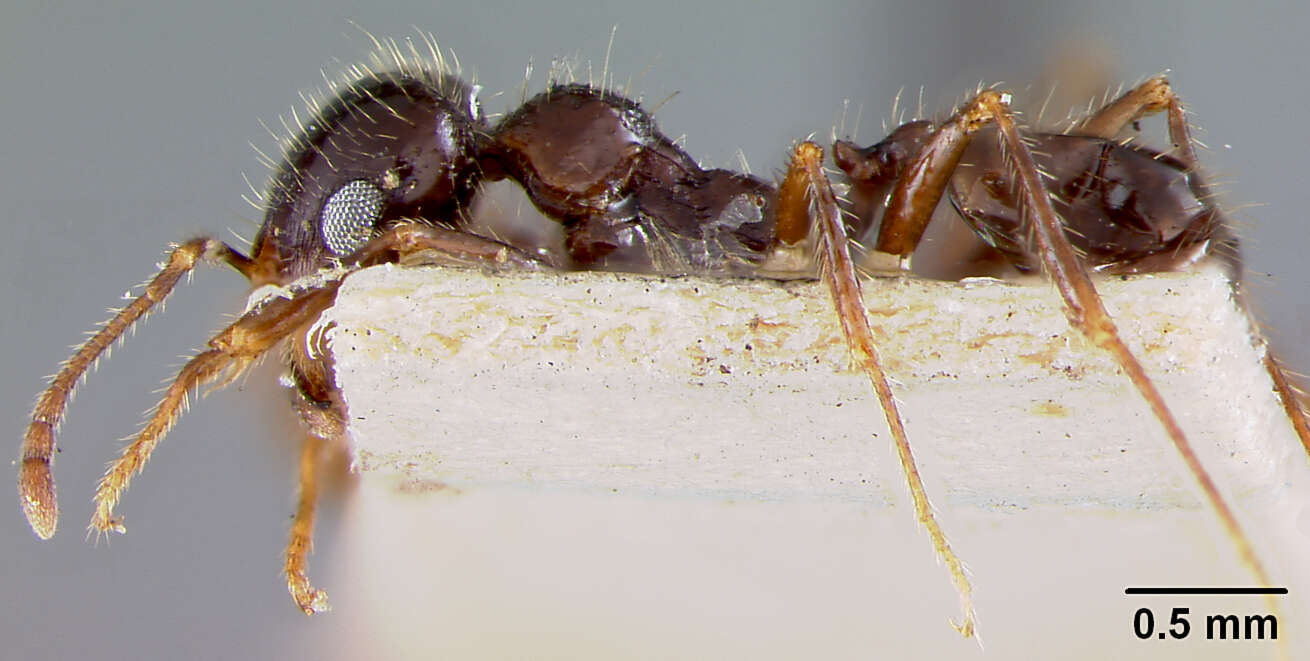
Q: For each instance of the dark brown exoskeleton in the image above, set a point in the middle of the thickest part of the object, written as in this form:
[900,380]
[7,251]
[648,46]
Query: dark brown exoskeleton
[1067,204]
[384,170]
[1128,209]
[391,166]
[629,199]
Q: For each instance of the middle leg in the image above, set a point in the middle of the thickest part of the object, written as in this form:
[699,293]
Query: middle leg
[809,191]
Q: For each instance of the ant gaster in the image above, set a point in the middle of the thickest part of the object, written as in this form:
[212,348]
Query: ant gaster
[391,166]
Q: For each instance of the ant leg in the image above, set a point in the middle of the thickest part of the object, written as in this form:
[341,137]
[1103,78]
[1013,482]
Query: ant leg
[451,245]
[920,188]
[1086,313]
[323,418]
[805,178]
[921,185]
[296,559]
[231,352]
[1156,95]
[322,414]
[1293,402]
[1152,96]
[36,486]
[324,422]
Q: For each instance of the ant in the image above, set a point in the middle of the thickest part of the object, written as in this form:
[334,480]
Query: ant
[390,168]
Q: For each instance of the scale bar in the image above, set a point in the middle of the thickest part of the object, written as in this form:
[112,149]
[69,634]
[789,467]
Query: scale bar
[1212,590]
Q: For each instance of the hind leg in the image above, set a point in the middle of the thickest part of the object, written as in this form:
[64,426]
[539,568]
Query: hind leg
[1153,96]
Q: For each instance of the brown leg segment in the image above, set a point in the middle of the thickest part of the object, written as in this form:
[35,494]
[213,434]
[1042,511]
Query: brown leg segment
[839,272]
[451,245]
[1293,404]
[1153,96]
[917,194]
[1148,98]
[36,486]
[230,353]
[296,560]
[324,424]
[793,216]
[232,350]
[323,418]
[1086,313]
[241,343]
[919,189]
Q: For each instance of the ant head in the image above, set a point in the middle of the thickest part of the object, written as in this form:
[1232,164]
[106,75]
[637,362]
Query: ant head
[389,147]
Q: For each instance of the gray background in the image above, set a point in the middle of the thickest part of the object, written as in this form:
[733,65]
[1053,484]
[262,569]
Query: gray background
[125,128]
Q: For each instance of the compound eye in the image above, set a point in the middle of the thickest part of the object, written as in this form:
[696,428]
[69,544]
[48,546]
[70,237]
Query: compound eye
[350,215]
